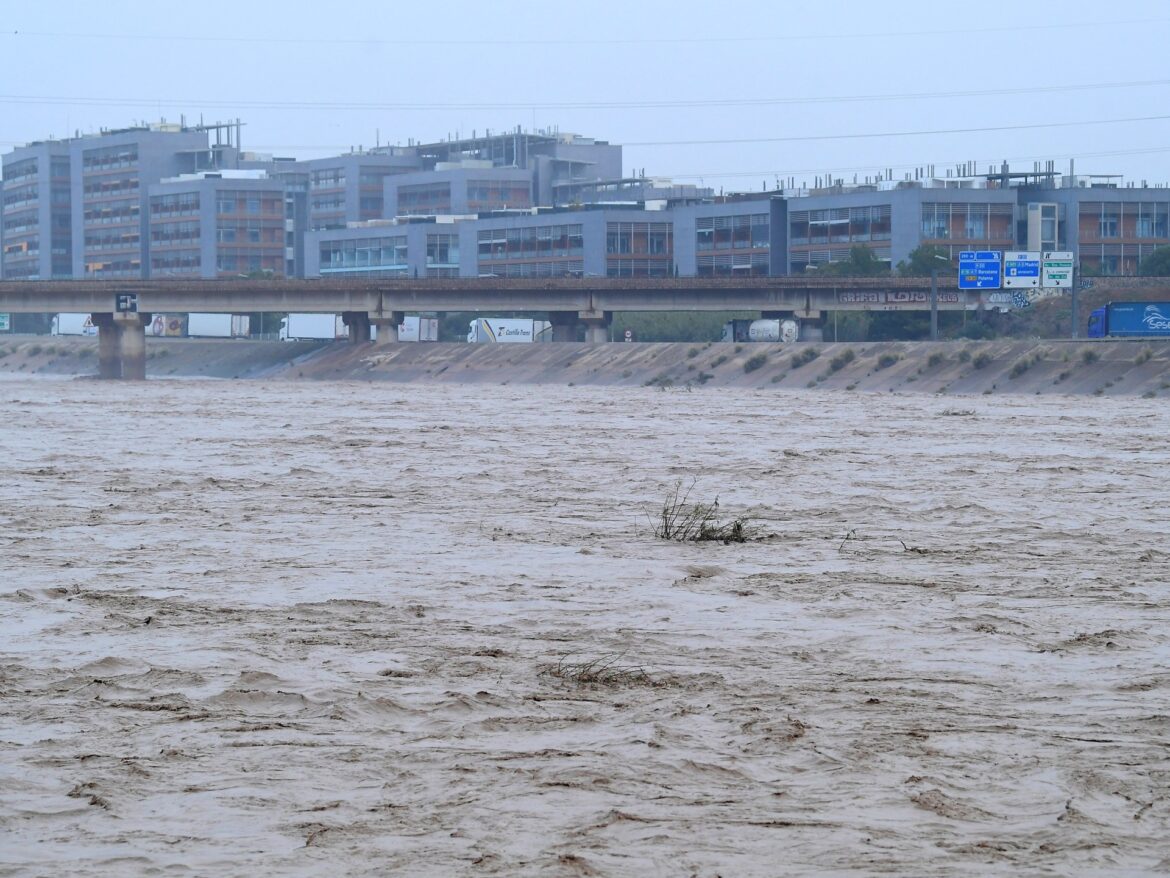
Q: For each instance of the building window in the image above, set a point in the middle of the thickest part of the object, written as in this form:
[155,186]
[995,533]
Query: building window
[1151,221]
[443,250]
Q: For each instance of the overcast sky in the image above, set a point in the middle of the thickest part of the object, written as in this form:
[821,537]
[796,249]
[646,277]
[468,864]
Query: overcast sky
[730,93]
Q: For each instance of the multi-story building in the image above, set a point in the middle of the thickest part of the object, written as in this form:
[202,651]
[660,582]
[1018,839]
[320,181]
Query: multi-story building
[892,220]
[471,188]
[110,176]
[218,224]
[556,160]
[136,202]
[544,243]
[1111,228]
[348,188]
[735,236]
[385,249]
[37,225]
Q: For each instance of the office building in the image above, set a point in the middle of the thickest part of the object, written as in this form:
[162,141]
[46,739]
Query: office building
[218,224]
[37,217]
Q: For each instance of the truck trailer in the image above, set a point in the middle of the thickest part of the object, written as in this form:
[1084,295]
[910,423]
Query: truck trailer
[787,330]
[73,324]
[508,330]
[218,325]
[1130,320]
[414,328]
[310,327]
[328,327]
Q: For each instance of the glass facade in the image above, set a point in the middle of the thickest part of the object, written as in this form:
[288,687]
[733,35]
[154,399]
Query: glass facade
[497,194]
[733,245]
[424,199]
[639,249]
[531,251]
[1115,236]
[365,256]
[989,224]
[442,256]
[840,225]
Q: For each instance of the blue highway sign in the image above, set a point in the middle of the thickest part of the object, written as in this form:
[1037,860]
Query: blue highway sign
[980,269]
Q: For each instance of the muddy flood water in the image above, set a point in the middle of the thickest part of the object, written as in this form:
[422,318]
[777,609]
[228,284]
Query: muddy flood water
[338,628]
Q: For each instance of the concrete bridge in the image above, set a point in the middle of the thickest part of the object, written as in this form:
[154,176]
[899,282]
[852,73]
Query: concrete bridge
[122,309]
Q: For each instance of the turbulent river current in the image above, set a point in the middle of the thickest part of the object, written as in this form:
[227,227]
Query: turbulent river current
[341,628]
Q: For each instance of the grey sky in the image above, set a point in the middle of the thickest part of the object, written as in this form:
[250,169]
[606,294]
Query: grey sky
[315,78]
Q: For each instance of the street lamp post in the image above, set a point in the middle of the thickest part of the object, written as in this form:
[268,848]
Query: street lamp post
[933,304]
[934,298]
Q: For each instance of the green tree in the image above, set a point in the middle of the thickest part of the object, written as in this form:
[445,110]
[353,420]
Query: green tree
[1157,264]
[922,259]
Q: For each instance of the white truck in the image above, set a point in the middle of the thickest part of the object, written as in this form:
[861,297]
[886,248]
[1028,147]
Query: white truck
[73,324]
[218,325]
[786,331]
[508,330]
[414,328]
[297,327]
[328,327]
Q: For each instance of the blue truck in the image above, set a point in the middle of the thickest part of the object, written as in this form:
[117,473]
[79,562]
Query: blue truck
[1130,319]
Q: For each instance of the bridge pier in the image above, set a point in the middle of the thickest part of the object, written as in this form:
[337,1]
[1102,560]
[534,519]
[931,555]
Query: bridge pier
[387,325]
[358,324]
[597,325]
[132,345]
[109,346]
[812,325]
[121,345]
[564,325]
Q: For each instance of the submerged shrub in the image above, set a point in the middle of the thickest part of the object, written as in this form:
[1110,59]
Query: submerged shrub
[681,520]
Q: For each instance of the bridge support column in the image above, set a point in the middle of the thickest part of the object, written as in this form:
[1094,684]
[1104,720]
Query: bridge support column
[812,325]
[564,325]
[109,346]
[387,326]
[596,325]
[358,323]
[132,345]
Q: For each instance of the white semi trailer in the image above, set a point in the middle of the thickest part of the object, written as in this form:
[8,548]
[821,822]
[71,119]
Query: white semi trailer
[327,327]
[508,330]
[414,328]
[218,325]
[73,324]
[296,327]
[786,331]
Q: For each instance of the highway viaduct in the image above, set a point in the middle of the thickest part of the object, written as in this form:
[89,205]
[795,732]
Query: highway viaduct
[122,309]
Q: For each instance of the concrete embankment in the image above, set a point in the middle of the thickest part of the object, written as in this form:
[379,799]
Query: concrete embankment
[1109,367]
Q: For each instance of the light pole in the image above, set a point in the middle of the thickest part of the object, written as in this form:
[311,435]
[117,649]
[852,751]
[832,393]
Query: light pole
[934,297]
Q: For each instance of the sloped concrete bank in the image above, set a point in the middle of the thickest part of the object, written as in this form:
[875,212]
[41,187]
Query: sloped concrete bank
[1127,368]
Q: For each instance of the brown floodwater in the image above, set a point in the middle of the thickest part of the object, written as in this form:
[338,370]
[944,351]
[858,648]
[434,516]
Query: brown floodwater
[278,628]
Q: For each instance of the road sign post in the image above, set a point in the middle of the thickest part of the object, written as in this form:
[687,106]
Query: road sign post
[1021,268]
[980,269]
[1056,270]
